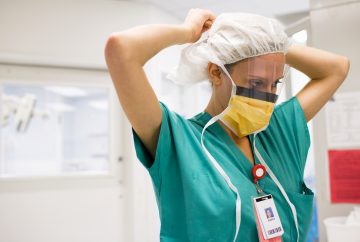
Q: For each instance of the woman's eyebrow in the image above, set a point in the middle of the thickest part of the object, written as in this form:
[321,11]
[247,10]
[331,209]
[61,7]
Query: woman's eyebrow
[259,77]
[264,78]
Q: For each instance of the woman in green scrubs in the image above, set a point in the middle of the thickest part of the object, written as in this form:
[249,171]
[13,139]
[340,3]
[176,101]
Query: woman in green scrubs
[195,202]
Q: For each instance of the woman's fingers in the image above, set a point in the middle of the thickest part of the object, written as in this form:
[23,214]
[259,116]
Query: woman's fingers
[211,15]
[198,21]
[208,23]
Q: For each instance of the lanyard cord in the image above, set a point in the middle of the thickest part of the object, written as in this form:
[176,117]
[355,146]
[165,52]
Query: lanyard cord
[273,177]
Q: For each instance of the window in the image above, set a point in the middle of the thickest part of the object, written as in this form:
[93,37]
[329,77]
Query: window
[53,130]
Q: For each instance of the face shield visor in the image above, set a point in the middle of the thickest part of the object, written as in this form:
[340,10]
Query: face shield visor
[256,84]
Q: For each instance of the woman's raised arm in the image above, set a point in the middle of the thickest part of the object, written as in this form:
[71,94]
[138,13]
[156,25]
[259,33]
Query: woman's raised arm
[126,52]
[326,70]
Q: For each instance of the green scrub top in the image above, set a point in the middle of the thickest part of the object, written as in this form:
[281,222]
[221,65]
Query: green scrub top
[195,202]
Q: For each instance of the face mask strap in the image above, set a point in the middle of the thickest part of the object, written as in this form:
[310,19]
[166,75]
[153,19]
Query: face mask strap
[216,60]
[223,173]
[213,160]
[233,88]
[286,73]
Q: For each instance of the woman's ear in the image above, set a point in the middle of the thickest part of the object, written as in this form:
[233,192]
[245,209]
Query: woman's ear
[214,74]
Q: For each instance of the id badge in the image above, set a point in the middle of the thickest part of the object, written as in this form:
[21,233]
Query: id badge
[267,219]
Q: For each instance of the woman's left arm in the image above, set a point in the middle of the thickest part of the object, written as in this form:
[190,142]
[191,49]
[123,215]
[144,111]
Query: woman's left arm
[326,70]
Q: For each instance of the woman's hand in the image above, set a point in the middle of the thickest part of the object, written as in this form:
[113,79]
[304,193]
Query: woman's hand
[197,22]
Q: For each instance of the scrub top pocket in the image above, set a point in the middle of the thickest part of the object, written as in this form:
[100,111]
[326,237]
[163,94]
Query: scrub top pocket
[303,202]
[211,207]
[304,207]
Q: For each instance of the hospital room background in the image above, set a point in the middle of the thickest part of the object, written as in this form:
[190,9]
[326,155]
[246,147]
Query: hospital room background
[68,169]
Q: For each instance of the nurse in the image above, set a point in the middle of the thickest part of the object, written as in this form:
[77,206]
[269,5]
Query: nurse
[234,172]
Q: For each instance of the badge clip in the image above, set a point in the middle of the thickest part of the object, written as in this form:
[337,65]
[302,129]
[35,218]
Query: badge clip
[258,172]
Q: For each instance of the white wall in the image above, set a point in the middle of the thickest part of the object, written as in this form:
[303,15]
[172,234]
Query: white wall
[334,26]
[73,34]
[75,210]
[69,32]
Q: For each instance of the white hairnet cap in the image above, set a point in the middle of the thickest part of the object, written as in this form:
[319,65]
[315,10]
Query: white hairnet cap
[231,38]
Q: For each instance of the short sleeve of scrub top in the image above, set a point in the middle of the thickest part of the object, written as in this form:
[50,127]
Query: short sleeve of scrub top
[194,201]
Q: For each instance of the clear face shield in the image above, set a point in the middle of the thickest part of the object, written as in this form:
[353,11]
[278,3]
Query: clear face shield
[256,84]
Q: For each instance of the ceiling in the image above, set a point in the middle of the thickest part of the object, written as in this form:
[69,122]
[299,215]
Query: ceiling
[269,8]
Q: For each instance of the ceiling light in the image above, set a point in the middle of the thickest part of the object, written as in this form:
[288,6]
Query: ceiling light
[67,91]
[60,107]
[99,104]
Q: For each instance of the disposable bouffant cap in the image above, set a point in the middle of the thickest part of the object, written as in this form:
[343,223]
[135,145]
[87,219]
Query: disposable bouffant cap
[231,38]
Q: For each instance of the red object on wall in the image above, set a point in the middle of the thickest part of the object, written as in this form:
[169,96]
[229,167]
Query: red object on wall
[344,167]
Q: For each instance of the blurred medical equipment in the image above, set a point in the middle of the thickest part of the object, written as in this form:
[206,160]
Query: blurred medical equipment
[22,109]
[339,229]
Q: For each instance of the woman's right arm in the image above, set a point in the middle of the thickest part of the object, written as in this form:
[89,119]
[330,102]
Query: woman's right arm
[126,52]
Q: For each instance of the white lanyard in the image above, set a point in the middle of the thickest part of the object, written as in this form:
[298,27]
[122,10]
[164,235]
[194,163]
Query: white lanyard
[273,177]
[233,187]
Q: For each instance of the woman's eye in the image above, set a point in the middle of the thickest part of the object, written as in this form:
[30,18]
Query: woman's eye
[276,83]
[256,83]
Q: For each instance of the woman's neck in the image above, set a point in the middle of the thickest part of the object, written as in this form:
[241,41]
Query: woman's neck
[214,107]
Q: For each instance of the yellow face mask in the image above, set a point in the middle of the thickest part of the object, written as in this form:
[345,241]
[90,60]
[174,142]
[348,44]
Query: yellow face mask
[246,115]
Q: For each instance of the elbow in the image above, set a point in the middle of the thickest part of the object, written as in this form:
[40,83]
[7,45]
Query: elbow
[347,66]
[115,48]
[112,45]
[343,67]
